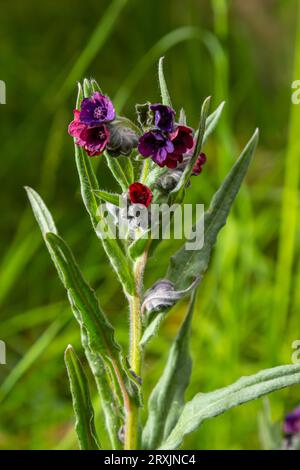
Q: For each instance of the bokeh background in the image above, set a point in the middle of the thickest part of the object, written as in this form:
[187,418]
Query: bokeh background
[244,52]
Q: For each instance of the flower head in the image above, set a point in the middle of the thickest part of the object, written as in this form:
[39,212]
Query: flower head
[291,424]
[182,139]
[156,145]
[92,139]
[140,194]
[96,110]
[163,117]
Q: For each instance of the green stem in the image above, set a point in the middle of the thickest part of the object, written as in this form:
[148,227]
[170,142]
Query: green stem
[135,355]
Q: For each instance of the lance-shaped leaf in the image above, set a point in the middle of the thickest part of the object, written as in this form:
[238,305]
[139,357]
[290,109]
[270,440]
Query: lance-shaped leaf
[178,191]
[83,408]
[112,246]
[83,300]
[212,121]
[111,405]
[167,399]
[165,96]
[138,246]
[100,332]
[112,198]
[186,264]
[120,170]
[208,405]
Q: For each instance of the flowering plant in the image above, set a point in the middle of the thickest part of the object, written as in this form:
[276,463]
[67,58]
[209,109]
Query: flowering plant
[153,161]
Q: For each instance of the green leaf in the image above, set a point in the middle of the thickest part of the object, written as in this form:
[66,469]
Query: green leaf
[88,183]
[166,100]
[152,328]
[167,399]
[138,246]
[112,246]
[95,86]
[120,170]
[79,95]
[212,121]
[87,88]
[178,191]
[88,312]
[208,405]
[185,265]
[83,408]
[41,212]
[112,198]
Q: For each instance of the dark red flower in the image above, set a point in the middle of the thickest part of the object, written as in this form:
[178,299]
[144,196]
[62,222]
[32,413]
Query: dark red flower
[140,194]
[163,117]
[92,139]
[199,164]
[182,139]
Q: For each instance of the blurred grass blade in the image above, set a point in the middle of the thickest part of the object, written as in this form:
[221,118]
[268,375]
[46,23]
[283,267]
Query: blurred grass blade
[185,265]
[83,408]
[165,96]
[163,45]
[289,217]
[167,399]
[208,405]
[32,355]
[93,46]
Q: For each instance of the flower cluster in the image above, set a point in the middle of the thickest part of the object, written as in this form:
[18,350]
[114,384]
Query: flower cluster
[166,143]
[96,128]
[89,127]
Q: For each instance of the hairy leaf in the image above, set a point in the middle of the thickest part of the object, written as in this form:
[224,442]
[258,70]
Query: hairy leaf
[208,405]
[83,408]
[186,264]
[166,100]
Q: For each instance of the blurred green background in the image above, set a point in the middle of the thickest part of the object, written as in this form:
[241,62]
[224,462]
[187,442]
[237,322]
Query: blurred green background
[246,52]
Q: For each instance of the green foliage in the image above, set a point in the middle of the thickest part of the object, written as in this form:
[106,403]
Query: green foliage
[83,408]
[208,405]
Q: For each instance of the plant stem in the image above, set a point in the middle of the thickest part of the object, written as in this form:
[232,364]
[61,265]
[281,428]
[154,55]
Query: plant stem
[135,356]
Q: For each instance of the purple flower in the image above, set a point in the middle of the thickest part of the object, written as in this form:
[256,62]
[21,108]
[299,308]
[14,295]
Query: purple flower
[96,110]
[163,117]
[156,145]
[291,424]
[92,139]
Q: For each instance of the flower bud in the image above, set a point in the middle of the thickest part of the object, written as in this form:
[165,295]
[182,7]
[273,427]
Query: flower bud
[162,295]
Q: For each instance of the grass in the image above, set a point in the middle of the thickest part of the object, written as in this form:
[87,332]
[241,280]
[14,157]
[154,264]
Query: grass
[248,305]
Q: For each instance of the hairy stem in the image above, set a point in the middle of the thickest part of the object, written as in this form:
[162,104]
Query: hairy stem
[135,354]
